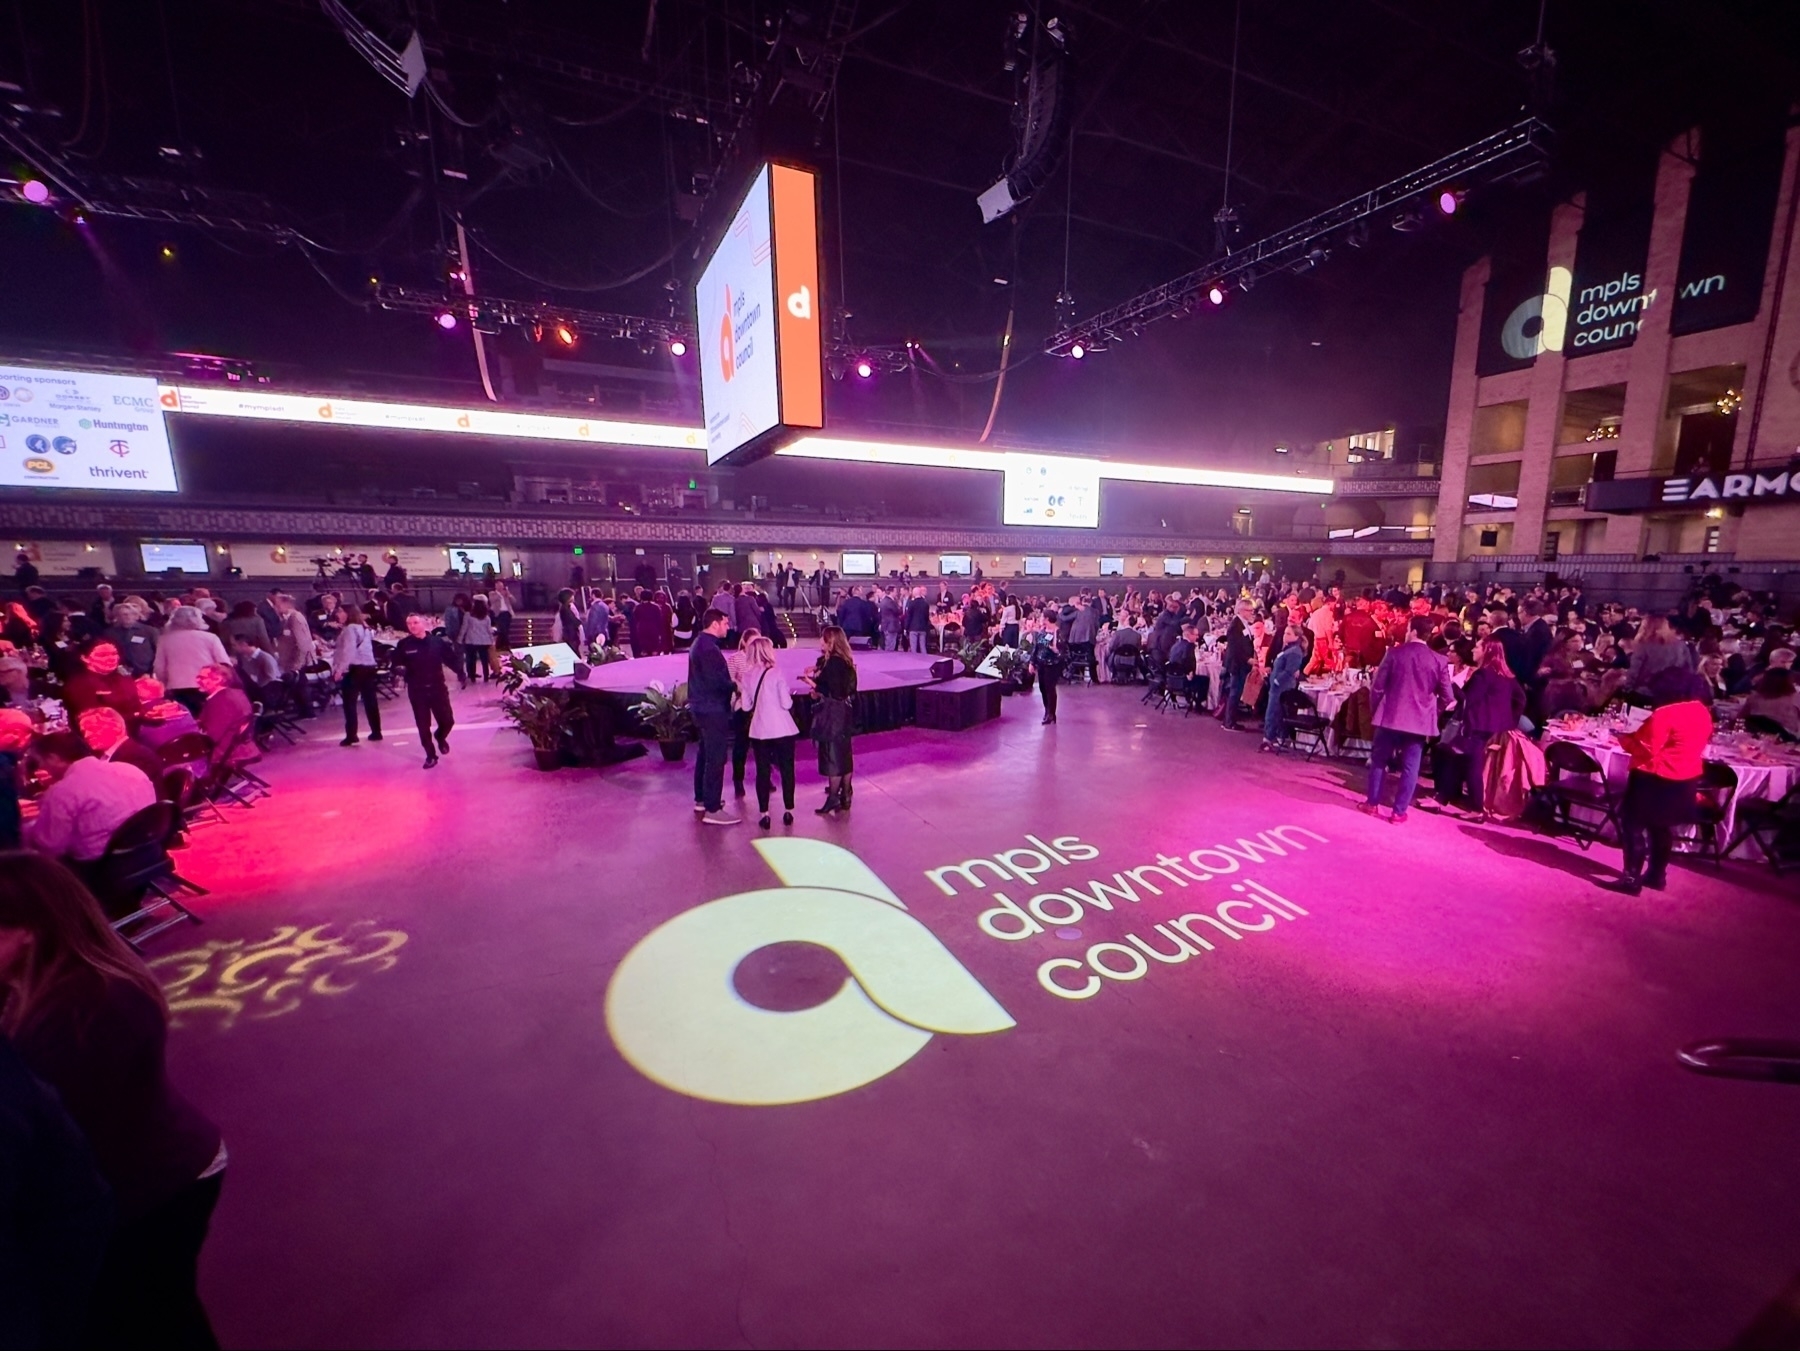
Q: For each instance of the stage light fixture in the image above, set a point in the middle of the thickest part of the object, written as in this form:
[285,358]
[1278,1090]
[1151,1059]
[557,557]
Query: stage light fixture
[864,368]
[1216,294]
[677,347]
[565,335]
[35,191]
[1078,351]
[167,251]
[1450,200]
[445,320]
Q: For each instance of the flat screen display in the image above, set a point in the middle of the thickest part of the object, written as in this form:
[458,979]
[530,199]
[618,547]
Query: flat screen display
[857,565]
[1112,567]
[473,557]
[1037,565]
[160,556]
[758,306]
[1051,490]
[955,565]
[1174,567]
[77,429]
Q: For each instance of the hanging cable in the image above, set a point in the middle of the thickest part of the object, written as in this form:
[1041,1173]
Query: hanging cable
[468,285]
[1012,309]
[1237,28]
[564,284]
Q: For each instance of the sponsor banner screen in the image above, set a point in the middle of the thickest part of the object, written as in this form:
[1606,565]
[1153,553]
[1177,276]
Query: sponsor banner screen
[324,411]
[79,429]
[1051,490]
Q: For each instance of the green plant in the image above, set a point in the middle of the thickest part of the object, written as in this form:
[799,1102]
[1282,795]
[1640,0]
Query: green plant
[971,655]
[604,654]
[546,718]
[516,668]
[665,711]
[1010,663]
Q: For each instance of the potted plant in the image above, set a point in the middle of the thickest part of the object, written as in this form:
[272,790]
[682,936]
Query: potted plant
[545,718]
[665,713]
[1013,667]
[516,668]
[971,655]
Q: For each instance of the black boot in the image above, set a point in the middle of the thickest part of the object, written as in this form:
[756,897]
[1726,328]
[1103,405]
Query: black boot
[833,804]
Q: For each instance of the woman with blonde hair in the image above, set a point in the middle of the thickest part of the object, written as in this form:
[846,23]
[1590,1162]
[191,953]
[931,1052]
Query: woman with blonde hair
[353,665]
[763,696]
[89,1019]
[833,680]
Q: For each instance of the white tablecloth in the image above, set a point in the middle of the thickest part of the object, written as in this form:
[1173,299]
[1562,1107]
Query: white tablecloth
[1767,779]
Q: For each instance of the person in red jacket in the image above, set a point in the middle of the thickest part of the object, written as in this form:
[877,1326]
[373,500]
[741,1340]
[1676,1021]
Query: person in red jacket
[1668,753]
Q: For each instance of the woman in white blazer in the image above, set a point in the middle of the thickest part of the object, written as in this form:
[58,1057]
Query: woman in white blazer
[763,693]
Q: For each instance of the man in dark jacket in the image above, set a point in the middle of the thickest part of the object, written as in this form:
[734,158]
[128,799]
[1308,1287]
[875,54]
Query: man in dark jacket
[1411,686]
[918,620]
[424,656]
[709,701]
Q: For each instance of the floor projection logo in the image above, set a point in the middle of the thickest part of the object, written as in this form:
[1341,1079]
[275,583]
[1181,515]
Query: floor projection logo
[675,1015]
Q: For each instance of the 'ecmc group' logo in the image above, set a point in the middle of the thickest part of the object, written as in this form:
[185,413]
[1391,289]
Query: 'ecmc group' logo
[674,1014]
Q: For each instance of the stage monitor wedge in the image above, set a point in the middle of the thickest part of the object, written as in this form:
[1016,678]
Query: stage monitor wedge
[762,371]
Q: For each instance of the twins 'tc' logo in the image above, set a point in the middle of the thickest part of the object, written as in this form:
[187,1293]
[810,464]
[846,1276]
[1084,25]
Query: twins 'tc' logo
[674,1014]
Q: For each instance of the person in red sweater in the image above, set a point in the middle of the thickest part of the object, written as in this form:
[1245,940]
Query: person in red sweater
[102,684]
[1668,752]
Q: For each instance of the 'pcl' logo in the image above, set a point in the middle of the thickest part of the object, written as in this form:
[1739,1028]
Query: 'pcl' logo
[674,1015]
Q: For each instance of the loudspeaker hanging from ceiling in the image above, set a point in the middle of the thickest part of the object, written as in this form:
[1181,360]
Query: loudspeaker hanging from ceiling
[1041,111]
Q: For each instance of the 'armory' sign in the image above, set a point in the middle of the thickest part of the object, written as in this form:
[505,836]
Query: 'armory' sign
[1725,487]
[1695,491]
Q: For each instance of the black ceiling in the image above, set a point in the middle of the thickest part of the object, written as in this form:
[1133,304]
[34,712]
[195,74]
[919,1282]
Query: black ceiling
[596,128]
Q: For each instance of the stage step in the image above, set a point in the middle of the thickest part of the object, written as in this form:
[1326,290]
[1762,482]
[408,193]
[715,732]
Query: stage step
[800,623]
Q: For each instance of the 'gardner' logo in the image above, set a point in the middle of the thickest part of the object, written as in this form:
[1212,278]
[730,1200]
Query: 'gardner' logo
[674,1014]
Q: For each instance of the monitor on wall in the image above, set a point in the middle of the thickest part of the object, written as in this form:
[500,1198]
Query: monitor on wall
[857,565]
[1112,567]
[188,555]
[472,558]
[1037,565]
[956,565]
[1174,567]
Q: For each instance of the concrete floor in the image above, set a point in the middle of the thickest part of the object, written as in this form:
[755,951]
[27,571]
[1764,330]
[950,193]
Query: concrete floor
[1441,1108]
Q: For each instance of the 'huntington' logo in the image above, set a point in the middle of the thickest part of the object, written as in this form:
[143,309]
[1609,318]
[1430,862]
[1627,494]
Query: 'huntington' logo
[674,1014]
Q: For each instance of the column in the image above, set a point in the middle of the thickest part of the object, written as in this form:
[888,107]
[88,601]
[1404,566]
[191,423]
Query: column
[1647,373]
[1543,413]
[1459,420]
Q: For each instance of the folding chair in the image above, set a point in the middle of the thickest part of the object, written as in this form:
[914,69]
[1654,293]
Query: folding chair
[135,879]
[1300,717]
[1566,792]
[191,752]
[1718,786]
[1775,826]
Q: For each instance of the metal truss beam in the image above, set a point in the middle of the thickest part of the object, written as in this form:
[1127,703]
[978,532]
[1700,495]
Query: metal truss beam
[1510,154]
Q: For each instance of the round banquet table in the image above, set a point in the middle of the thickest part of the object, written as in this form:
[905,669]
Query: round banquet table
[1764,772]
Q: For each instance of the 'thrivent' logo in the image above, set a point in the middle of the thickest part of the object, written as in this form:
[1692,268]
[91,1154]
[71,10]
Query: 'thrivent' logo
[674,1014]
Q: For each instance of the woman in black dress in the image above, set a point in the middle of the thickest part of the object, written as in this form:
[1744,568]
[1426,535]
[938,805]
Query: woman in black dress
[834,681]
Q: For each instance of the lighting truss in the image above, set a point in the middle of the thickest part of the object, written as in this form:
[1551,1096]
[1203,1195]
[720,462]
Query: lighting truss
[493,313]
[1511,155]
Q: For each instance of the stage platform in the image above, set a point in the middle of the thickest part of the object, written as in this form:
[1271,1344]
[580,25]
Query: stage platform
[886,684]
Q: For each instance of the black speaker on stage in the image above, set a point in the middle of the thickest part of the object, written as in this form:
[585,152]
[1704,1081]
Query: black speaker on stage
[943,670]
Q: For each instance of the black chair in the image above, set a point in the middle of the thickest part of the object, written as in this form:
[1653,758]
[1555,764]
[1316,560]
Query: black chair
[1566,791]
[1126,665]
[1153,679]
[191,752]
[1300,717]
[135,879]
[1193,693]
[1080,663]
[1775,826]
[1718,786]
[275,714]
[1766,726]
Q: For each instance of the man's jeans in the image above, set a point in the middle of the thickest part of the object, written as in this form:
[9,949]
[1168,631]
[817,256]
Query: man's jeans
[709,767]
[1409,745]
[915,640]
